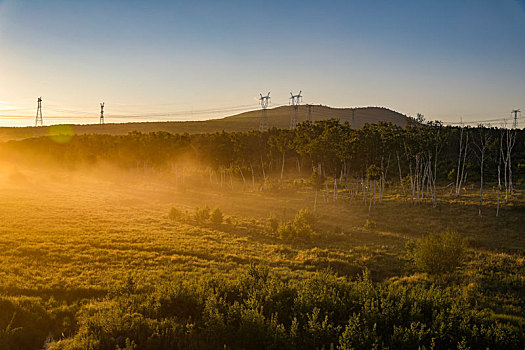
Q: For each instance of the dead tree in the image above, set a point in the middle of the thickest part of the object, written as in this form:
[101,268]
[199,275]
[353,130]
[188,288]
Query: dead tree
[462,159]
[511,140]
[507,141]
[482,144]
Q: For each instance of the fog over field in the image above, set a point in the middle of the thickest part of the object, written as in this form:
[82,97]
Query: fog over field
[262,175]
[171,241]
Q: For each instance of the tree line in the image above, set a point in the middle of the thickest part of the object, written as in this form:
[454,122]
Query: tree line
[418,158]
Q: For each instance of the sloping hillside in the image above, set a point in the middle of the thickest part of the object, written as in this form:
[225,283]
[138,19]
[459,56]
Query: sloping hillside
[357,117]
[277,117]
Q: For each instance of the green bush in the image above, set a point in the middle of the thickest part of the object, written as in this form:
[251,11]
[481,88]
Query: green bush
[273,223]
[286,231]
[302,227]
[370,225]
[260,310]
[202,215]
[175,214]
[216,216]
[305,217]
[438,254]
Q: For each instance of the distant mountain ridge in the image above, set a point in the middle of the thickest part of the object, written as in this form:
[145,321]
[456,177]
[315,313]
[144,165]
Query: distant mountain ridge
[277,117]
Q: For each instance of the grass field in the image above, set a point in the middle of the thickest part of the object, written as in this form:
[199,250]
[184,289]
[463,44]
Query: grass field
[68,239]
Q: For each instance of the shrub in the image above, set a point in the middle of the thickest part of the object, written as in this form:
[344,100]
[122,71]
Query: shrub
[305,217]
[202,214]
[370,225]
[286,231]
[273,223]
[438,253]
[302,227]
[175,214]
[216,216]
[373,172]
[260,310]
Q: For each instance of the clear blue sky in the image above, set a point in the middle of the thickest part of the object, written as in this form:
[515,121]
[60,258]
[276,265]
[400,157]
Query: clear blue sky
[445,59]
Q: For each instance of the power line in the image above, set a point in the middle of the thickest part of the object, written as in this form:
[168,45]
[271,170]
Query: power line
[87,114]
[480,121]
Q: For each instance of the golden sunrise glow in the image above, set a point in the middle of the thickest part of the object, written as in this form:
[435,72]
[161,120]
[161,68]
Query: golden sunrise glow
[262,175]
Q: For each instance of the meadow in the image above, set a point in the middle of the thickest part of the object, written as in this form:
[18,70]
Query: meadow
[92,258]
[318,237]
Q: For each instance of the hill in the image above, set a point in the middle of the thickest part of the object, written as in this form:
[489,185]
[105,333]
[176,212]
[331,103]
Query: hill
[277,117]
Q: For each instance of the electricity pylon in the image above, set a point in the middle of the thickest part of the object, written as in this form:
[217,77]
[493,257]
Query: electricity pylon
[515,112]
[39,113]
[263,123]
[295,100]
[309,115]
[102,113]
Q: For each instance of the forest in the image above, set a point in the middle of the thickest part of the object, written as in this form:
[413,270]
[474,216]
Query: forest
[417,158]
[318,237]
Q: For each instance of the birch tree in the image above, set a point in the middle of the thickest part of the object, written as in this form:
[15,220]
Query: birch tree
[462,159]
[481,143]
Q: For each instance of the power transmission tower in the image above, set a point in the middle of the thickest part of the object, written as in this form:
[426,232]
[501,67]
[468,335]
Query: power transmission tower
[263,123]
[515,112]
[39,113]
[295,100]
[102,113]
[309,115]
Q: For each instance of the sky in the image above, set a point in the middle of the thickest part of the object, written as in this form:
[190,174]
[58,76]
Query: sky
[174,60]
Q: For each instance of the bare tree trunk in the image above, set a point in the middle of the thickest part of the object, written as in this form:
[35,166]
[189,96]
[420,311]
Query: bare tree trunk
[435,178]
[253,177]
[380,199]
[463,177]
[484,140]
[370,201]
[262,167]
[499,187]
[400,176]
[509,161]
[315,200]
[459,161]
[418,178]
[374,192]
[243,179]
[364,190]
[481,182]
[282,167]
[505,167]
[428,179]
[411,175]
[231,176]
[511,140]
